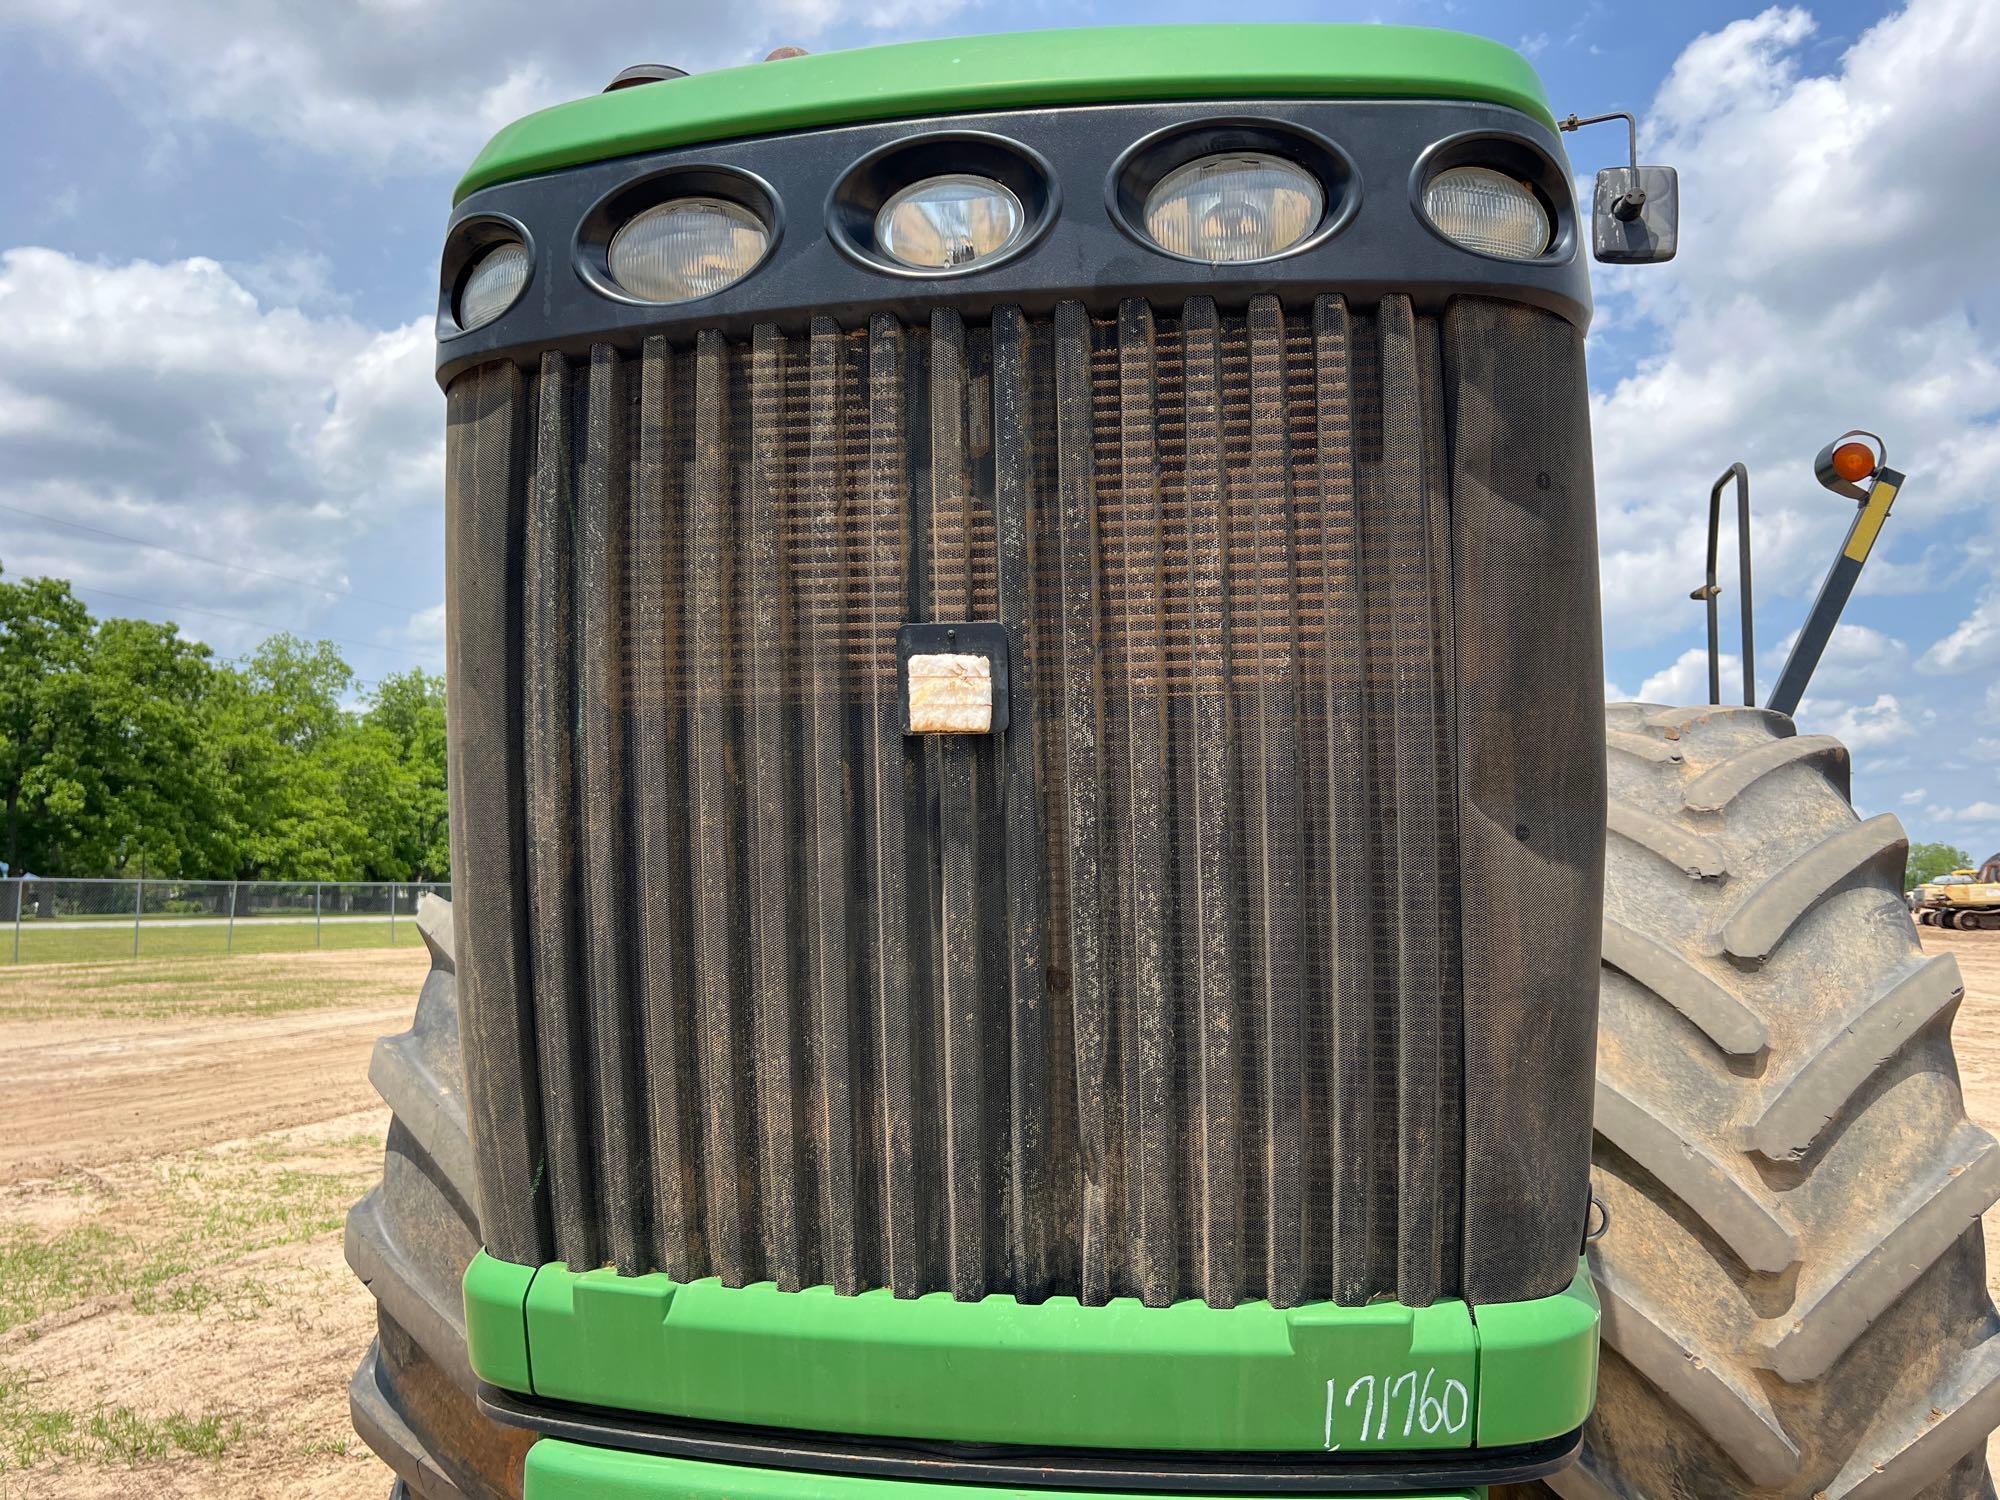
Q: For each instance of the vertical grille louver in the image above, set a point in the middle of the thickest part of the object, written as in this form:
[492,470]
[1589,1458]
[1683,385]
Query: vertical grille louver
[1198,981]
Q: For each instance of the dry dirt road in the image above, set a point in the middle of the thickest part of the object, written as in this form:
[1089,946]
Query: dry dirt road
[178,1144]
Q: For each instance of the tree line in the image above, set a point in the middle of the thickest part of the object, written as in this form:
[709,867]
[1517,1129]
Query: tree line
[127,749]
[1928,861]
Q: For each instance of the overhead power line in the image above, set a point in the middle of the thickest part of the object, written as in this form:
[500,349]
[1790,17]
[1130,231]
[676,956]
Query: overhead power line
[195,609]
[213,562]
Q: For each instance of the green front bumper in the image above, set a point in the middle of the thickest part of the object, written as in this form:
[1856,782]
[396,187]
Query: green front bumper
[1186,1378]
[569,1471]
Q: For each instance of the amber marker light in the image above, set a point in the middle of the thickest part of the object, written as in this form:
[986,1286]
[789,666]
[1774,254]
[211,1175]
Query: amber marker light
[1854,462]
[1850,461]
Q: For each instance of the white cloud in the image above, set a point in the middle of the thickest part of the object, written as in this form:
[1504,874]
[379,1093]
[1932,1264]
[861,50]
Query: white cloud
[1983,812]
[1832,270]
[1913,796]
[1973,642]
[1686,681]
[423,634]
[168,402]
[291,278]
[405,86]
[1860,726]
[1858,658]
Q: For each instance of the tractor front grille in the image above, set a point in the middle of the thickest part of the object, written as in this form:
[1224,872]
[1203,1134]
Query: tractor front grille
[1256,959]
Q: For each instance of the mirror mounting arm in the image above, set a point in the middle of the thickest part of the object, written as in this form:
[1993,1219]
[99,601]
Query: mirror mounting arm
[1628,204]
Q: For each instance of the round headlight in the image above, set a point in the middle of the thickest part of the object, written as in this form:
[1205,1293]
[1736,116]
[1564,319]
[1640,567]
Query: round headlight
[685,249]
[495,281]
[1486,210]
[946,222]
[1243,206]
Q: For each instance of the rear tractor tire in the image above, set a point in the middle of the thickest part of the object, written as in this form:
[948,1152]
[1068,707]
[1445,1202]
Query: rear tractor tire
[412,1399]
[1793,1277]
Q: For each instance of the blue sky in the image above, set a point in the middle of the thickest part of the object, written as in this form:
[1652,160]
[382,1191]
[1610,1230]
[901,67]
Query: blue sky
[219,224]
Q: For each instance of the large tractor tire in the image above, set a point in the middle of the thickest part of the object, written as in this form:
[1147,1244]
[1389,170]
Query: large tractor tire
[409,1240]
[1793,1278]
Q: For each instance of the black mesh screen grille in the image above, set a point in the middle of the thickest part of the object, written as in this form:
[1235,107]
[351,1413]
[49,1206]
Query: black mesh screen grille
[1255,959]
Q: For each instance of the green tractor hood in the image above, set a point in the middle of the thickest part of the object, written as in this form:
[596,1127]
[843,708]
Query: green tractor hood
[1028,69]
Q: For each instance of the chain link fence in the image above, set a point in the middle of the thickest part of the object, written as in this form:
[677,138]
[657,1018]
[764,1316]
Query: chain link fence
[60,921]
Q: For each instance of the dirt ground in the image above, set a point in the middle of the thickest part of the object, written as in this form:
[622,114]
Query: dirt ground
[178,1145]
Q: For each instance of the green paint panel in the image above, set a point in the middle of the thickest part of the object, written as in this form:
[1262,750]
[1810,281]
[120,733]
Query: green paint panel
[1537,1365]
[1185,1377]
[496,1324]
[957,75]
[1118,1376]
[568,1471]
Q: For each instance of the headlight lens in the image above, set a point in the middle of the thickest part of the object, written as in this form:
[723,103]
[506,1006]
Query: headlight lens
[685,249]
[496,280]
[1243,206]
[942,223]
[1486,210]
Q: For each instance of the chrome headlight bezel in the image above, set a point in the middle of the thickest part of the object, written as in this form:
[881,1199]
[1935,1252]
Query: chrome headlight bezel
[1514,156]
[854,205]
[903,197]
[591,249]
[1147,163]
[470,241]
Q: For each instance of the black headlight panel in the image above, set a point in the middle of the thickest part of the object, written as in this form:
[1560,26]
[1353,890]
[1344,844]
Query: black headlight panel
[1024,208]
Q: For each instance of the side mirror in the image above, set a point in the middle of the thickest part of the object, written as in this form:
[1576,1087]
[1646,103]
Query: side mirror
[1635,219]
[1635,216]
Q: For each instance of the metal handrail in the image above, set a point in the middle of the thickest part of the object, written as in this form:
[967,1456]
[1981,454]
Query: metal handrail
[1710,588]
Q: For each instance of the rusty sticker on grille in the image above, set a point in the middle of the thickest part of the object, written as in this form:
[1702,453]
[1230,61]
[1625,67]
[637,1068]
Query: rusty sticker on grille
[951,694]
[954,677]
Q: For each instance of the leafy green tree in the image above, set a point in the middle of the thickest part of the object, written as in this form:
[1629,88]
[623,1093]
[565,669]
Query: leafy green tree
[125,747]
[136,740]
[275,721]
[409,707]
[1928,861]
[299,686]
[44,643]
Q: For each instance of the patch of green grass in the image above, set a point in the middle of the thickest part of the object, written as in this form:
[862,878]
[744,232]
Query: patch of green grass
[210,1214]
[260,1208]
[240,1300]
[210,988]
[55,941]
[31,1433]
[40,1273]
[340,1147]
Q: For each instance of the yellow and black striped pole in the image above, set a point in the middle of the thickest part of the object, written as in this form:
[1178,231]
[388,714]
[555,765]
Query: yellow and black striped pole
[1834,592]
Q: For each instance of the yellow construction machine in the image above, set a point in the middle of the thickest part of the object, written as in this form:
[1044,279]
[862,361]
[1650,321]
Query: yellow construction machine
[1967,900]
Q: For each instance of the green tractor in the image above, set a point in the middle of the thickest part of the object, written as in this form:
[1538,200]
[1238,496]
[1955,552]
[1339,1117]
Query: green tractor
[1029,787]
